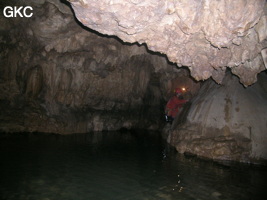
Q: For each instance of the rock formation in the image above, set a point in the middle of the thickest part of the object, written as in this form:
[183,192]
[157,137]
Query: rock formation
[227,122]
[57,76]
[206,36]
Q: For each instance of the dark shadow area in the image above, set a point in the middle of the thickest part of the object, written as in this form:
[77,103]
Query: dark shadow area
[119,40]
[94,31]
[181,117]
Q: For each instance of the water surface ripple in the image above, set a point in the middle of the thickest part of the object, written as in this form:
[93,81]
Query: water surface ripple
[117,166]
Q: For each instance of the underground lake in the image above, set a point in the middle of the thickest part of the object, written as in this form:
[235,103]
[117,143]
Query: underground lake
[133,165]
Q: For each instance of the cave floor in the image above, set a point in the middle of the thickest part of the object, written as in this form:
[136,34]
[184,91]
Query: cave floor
[116,165]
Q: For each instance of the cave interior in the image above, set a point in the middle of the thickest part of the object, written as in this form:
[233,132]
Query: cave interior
[59,75]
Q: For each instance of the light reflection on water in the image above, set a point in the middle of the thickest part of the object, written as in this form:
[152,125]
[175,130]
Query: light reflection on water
[116,165]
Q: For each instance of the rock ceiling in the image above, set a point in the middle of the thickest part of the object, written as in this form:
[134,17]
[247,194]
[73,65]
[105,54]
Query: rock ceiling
[207,36]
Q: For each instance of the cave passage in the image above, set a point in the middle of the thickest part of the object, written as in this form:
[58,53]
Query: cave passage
[117,165]
[59,76]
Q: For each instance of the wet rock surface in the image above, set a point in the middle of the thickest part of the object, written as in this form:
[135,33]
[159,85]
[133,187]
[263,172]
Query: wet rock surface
[58,76]
[226,122]
[206,36]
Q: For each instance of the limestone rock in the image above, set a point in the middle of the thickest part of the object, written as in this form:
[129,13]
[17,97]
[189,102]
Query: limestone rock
[221,123]
[264,56]
[206,36]
[57,76]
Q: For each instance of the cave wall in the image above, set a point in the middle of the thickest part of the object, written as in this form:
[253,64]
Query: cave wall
[58,76]
[206,36]
[226,122]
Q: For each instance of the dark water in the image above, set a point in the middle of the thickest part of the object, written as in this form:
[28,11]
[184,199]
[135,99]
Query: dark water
[116,166]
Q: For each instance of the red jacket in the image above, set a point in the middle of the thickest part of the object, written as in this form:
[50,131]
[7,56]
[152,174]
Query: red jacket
[173,106]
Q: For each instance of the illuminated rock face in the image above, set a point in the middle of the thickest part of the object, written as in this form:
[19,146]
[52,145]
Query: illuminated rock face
[56,76]
[227,122]
[206,36]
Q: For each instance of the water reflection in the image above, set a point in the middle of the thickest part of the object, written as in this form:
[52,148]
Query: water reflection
[116,165]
